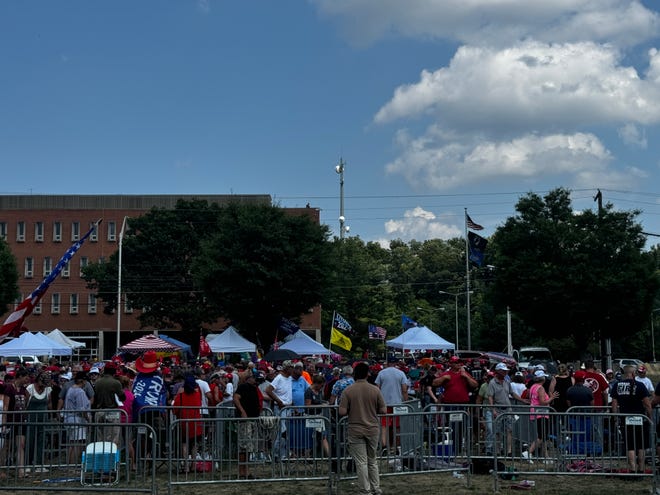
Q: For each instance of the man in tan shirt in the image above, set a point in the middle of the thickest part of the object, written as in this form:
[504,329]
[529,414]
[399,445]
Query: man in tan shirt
[363,402]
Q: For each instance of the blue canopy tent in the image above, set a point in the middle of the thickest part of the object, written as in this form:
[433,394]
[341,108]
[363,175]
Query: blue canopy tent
[185,348]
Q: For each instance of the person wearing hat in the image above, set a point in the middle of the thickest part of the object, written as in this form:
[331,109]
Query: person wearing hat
[426,386]
[487,413]
[108,396]
[539,400]
[499,391]
[150,398]
[281,395]
[93,374]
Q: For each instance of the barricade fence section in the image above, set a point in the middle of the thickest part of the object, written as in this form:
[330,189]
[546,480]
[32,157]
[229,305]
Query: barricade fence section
[584,441]
[94,450]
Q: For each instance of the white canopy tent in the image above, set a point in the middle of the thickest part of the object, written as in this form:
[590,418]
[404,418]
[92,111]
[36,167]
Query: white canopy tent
[420,339]
[36,344]
[304,345]
[230,341]
[59,337]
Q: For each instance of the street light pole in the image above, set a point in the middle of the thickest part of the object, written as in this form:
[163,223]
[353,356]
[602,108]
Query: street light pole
[121,242]
[342,219]
[431,311]
[653,334]
[455,296]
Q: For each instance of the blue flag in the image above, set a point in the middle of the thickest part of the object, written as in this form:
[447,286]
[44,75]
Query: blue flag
[288,327]
[407,322]
[477,248]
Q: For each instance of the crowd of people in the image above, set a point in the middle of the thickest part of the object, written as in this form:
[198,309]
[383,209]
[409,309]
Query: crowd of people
[111,393]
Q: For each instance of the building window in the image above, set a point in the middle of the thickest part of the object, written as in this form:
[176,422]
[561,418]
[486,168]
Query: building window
[55,303]
[48,265]
[57,231]
[84,261]
[29,267]
[112,231]
[3,231]
[65,271]
[39,231]
[18,301]
[94,236]
[128,308]
[91,304]
[37,308]
[20,232]
[75,231]
[73,304]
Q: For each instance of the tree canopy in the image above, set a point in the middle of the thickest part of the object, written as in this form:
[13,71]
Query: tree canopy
[573,274]
[189,266]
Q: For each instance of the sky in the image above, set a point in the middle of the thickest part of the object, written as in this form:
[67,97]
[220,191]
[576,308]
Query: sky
[434,106]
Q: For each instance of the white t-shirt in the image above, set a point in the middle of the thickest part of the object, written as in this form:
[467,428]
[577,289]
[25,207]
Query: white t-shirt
[205,388]
[282,389]
[229,390]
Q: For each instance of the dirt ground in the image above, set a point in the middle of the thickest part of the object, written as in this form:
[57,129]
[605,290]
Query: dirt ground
[427,483]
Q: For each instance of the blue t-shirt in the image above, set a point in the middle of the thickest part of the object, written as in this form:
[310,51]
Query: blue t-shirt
[298,388]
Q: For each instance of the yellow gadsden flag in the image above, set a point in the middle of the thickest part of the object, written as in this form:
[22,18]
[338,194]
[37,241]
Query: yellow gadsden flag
[339,339]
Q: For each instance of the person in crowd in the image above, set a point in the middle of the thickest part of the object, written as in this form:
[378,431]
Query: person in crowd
[426,386]
[457,383]
[263,386]
[37,409]
[300,438]
[187,408]
[332,378]
[68,383]
[579,395]
[92,375]
[393,384]
[562,382]
[314,397]
[18,399]
[76,416]
[127,415]
[518,384]
[227,389]
[539,400]
[4,432]
[108,394]
[499,393]
[642,378]
[217,390]
[248,405]
[487,412]
[149,400]
[596,381]
[362,403]
[346,379]
[631,397]
[205,388]
[280,394]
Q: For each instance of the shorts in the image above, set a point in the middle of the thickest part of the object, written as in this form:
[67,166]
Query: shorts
[248,437]
[637,437]
[390,420]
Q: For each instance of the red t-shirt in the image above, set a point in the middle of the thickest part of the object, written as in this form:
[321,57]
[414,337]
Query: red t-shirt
[596,382]
[457,390]
[192,429]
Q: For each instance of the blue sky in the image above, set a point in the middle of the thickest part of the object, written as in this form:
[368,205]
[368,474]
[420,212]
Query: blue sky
[435,106]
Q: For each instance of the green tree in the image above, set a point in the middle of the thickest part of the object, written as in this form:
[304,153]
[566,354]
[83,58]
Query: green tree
[261,264]
[568,274]
[157,257]
[8,277]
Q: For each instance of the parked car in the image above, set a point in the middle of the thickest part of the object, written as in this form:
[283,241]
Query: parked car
[22,359]
[620,363]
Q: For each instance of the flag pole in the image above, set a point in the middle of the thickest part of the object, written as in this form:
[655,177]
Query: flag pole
[332,325]
[467,281]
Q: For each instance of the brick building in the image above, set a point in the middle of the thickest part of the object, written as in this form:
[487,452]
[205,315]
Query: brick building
[40,228]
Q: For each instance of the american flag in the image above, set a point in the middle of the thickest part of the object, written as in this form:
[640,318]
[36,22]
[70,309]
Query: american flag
[17,317]
[471,224]
[377,333]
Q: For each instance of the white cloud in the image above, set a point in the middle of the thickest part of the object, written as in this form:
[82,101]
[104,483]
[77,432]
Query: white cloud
[494,22]
[419,224]
[431,162]
[634,137]
[204,6]
[531,86]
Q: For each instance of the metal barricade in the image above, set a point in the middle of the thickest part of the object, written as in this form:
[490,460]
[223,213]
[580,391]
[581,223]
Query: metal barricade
[226,449]
[576,442]
[80,451]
